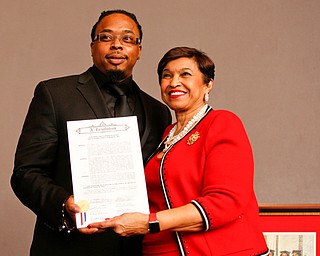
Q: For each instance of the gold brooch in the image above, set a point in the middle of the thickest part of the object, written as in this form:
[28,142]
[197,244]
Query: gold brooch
[193,138]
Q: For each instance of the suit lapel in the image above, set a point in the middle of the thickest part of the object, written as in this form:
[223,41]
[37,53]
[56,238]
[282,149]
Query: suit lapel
[147,108]
[91,92]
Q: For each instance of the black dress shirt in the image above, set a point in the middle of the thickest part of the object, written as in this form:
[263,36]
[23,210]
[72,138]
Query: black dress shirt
[130,90]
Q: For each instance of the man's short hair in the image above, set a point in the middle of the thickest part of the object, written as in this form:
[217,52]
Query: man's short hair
[109,12]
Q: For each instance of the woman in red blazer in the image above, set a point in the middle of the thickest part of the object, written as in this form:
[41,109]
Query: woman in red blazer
[200,180]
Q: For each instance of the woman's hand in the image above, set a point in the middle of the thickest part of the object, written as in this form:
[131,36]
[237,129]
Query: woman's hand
[127,224]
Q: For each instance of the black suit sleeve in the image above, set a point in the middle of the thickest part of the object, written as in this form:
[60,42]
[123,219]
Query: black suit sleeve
[35,160]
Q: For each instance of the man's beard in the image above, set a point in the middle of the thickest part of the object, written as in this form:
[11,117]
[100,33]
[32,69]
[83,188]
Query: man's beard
[115,76]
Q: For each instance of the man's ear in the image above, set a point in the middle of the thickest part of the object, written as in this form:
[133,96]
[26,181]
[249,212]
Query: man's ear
[140,49]
[91,45]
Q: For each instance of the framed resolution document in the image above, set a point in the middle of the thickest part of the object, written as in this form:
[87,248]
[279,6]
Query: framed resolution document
[107,168]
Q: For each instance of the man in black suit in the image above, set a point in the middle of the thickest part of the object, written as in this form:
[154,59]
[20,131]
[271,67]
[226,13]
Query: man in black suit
[42,178]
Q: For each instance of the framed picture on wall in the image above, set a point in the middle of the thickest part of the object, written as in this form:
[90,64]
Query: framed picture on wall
[291,230]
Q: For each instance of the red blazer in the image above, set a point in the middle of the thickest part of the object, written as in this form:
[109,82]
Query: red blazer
[215,173]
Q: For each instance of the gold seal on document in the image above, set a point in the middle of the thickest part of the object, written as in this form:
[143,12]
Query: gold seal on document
[84,205]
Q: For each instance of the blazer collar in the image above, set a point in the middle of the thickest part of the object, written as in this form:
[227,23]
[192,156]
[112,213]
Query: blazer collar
[147,112]
[91,92]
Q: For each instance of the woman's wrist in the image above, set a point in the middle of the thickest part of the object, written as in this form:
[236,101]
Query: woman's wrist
[154,224]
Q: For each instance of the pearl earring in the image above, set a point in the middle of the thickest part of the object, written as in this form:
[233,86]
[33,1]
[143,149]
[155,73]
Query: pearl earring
[206,97]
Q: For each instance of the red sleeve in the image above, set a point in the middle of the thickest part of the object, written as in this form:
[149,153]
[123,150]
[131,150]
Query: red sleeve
[228,175]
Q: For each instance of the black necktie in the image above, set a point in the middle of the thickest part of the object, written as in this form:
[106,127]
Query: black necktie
[121,107]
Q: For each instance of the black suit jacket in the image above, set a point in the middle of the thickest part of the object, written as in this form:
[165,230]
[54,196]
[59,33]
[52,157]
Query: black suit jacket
[42,176]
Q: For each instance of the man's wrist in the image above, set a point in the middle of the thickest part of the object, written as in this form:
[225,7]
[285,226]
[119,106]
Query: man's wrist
[66,222]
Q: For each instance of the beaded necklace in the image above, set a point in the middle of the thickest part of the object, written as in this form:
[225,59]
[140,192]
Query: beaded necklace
[174,139]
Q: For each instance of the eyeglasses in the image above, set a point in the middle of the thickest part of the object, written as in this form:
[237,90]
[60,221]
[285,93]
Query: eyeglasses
[129,39]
